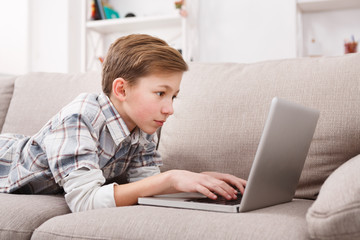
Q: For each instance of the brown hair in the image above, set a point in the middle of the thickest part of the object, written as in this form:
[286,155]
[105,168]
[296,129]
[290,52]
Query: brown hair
[139,55]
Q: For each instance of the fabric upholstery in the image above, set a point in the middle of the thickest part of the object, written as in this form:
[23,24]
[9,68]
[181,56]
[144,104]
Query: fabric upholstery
[336,212]
[222,108]
[219,116]
[6,92]
[22,214]
[141,222]
[39,96]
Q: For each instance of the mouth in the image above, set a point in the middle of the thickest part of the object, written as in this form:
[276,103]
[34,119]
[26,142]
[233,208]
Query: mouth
[159,123]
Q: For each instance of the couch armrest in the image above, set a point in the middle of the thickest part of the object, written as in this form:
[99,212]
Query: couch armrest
[336,212]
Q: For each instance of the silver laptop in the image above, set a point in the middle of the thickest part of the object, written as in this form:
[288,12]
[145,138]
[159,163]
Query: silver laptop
[276,169]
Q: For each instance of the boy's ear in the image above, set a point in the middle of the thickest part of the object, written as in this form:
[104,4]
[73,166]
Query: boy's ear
[118,88]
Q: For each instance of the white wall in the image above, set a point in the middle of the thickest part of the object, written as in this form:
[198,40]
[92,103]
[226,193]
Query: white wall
[14,37]
[39,35]
[246,31]
[55,36]
[330,29]
[48,35]
[45,35]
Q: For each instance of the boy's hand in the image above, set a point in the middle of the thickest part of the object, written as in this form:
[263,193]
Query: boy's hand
[206,183]
[230,179]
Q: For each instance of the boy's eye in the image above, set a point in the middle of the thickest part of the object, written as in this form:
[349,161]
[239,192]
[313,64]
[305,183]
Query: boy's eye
[160,93]
[174,97]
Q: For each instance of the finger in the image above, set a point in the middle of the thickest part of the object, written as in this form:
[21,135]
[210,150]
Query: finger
[206,192]
[223,189]
[220,186]
[239,183]
[241,188]
[220,191]
[243,182]
[234,181]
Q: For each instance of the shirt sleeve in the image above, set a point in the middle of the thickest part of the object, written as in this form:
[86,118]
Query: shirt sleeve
[71,145]
[84,190]
[146,163]
[136,174]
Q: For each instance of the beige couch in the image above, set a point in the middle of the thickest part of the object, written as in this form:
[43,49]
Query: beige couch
[218,120]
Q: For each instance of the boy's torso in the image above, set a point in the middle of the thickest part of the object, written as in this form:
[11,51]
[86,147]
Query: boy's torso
[86,133]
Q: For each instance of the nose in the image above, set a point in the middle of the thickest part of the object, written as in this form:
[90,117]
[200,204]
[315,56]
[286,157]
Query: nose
[167,108]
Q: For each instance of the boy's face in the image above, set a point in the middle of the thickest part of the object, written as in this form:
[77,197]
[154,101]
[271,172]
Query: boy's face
[149,102]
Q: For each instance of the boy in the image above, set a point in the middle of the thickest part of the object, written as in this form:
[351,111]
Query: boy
[98,137]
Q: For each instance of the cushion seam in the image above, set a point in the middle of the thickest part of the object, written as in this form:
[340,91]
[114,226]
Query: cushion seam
[18,231]
[337,212]
[68,235]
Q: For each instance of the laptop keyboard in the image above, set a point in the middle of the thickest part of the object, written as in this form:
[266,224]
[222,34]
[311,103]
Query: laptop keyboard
[219,200]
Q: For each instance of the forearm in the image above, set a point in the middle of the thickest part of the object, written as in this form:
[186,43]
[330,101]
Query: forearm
[128,194]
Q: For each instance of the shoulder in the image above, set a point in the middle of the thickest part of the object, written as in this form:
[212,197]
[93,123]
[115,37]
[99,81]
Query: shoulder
[85,107]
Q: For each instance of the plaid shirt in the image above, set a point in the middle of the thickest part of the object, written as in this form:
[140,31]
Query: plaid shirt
[87,133]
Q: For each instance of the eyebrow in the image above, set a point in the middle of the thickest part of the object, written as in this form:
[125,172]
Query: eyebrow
[168,87]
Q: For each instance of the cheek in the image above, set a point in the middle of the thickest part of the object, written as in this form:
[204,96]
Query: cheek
[146,107]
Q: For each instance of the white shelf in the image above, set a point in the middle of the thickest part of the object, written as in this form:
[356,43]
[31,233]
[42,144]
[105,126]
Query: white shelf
[133,23]
[326,5]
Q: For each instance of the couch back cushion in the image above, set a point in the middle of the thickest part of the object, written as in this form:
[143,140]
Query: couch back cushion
[39,96]
[6,92]
[222,108]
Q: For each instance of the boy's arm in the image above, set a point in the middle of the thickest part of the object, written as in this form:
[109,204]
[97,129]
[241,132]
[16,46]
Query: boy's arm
[84,190]
[178,181]
[172,181]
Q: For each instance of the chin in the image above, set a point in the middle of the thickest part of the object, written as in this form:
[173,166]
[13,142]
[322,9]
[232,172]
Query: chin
[149,131]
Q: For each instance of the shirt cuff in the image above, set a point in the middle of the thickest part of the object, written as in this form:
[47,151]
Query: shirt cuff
[104,197]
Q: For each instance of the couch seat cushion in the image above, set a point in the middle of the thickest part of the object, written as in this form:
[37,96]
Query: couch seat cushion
[286,221]
[22,214]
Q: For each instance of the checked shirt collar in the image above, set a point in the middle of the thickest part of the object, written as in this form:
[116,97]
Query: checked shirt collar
[116,125]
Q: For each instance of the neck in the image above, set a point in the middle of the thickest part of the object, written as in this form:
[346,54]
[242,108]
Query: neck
[119,106]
